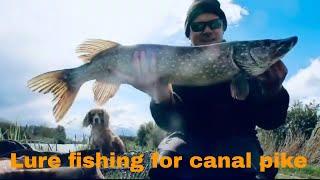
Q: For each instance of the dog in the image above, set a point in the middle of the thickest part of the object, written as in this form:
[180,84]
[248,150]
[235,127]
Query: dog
[101,135]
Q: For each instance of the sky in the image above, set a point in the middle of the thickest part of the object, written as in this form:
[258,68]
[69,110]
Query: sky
[39,36]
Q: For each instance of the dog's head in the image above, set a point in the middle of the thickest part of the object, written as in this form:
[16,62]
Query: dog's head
[96,117]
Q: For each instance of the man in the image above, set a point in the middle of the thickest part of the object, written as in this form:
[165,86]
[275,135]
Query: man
[207,120]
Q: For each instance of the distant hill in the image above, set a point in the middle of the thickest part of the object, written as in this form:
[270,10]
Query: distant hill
[124,131]
[4,120]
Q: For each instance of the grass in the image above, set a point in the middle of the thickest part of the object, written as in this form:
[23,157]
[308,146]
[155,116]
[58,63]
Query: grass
[307,172]
[125,173]
[14,132]
[291,144]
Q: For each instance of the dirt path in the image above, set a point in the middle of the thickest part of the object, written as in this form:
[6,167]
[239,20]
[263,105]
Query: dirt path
[288,176]
[285,176]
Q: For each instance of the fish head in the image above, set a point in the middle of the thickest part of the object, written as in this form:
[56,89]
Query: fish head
[259,55]
[267,52]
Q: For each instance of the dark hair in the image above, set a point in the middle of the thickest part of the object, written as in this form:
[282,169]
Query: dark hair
[199,7]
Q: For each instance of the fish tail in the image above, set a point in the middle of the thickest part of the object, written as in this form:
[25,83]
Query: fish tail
[57,83]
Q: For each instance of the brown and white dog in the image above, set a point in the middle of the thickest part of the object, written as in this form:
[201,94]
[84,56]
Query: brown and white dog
[101,135]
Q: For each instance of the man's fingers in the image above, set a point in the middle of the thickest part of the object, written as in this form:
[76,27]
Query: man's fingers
[153,63]
[276,72]
[266,76]
[144,64]
[280,70]
[135,62]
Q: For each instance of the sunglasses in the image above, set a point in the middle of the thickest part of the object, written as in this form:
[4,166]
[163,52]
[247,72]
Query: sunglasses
[200,26]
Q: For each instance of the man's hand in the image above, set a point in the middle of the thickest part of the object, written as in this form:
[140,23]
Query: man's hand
[273,78]
[146,78]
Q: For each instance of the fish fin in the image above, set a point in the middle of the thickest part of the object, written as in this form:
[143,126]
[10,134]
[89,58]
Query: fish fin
[92,47]
[103,91]
[56,82]
[239,87]
[173,94]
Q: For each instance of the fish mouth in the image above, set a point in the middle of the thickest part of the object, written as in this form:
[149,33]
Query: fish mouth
[284,46]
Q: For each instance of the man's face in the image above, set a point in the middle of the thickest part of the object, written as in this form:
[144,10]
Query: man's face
[208,35]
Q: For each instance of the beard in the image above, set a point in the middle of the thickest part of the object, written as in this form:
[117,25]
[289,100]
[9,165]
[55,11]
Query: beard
[208,38]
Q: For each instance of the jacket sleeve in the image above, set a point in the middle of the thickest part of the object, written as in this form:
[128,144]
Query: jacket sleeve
[166,115]
[269,112]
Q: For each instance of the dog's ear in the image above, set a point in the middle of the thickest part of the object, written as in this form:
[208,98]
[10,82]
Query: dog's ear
[86,119]
[106,118]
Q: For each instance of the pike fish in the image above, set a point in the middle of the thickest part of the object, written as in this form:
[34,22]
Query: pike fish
[111,65]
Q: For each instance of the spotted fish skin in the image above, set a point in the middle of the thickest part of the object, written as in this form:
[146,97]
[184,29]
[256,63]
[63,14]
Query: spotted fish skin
[189,66]
[186,65]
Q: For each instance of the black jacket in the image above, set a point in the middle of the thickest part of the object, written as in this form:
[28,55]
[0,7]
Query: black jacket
[210,111]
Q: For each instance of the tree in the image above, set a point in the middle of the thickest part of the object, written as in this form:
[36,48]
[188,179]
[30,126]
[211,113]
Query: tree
[300,122]
[142,135]
[303,118]
[60,136]
[150,135]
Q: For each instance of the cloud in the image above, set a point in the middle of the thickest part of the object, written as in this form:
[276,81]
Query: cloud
[234,12]
[126,113]
[172,31]
[305,85]
[38,36]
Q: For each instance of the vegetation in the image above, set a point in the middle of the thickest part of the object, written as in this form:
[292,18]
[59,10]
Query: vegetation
[149,135]
[299,136]
[32,133]
[307,172]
